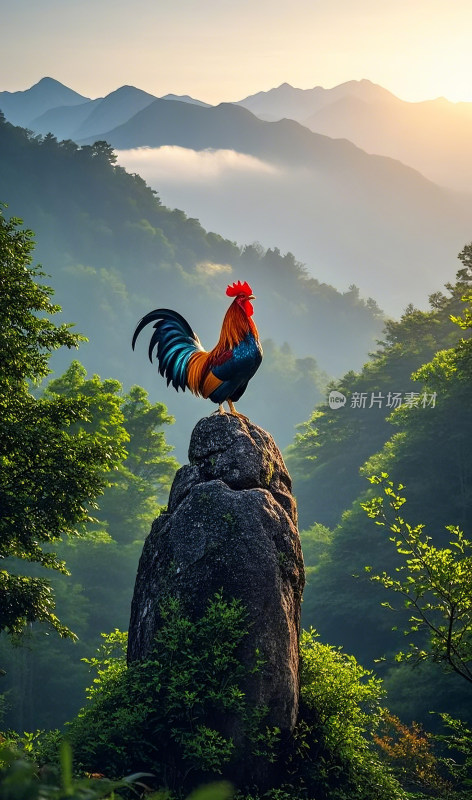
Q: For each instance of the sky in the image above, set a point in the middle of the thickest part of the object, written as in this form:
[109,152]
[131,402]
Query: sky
[224,50]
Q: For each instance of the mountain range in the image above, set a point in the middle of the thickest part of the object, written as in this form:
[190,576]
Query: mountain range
[299,104]
[112,252]
[22,108]
[433,136]
[350,216]
[51,107]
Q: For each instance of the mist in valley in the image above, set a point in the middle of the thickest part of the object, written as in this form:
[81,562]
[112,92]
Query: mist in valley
[395,246]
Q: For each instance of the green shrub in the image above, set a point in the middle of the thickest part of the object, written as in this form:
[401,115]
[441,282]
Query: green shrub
[166,714]
[162,717]
[333,755]
[22,779]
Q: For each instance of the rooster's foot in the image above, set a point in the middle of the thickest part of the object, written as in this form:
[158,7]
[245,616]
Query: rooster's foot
[235,413]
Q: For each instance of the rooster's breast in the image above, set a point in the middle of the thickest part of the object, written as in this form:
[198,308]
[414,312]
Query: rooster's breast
[235,373]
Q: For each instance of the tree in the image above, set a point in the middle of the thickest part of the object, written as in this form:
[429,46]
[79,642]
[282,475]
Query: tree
[142,480]
[435,583]
[51,471]
[96,596]
[333,444]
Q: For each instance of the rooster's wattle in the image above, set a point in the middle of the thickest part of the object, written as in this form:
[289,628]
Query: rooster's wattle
[222,374]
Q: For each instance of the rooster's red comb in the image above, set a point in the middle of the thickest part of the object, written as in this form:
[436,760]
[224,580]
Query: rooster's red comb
[239,288]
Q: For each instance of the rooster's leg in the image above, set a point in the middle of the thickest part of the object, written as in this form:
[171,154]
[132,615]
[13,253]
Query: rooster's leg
[219,410]
[236,413]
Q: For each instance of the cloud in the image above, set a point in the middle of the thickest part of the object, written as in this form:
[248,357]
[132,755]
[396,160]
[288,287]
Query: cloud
[175,165]
[209,268]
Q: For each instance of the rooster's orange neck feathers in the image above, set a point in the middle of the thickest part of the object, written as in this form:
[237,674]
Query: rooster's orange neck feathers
[235,328]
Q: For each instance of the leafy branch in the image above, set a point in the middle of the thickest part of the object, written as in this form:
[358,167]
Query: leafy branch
[434,582]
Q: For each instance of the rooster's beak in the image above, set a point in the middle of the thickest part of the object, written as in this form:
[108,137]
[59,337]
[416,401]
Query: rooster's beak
[252,297]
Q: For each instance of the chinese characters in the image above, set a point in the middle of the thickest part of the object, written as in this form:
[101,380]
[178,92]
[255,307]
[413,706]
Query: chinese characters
[390,400]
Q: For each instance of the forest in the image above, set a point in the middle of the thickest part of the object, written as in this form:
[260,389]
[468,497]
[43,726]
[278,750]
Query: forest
[383,486]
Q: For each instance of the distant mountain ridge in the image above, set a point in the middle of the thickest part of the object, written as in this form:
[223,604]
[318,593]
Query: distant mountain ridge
[51,107]
[185,98]
[298,104]
[22,107]
[362,219]
[87,120]
[432,136]
[226,126]
[353,218]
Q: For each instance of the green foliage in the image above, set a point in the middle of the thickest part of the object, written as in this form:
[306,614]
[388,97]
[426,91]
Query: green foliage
[50,471]
[435,584]
[340,710]
[170,716]
[27,338]
[316,542]
[344,695]
[426,448]
[170,713]
[103,560]
[131,501]
[440,489]
[333,444]
[113,249]
[21,779]
[41,746]
[455,754]
[316,546]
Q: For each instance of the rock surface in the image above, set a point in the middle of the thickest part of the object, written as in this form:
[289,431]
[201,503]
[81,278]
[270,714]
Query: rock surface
[231,524]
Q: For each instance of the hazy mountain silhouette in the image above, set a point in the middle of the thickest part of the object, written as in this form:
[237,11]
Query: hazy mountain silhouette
[298,104]
[63,121]
[350,216]
[90,118]
[21,108]
[51,107]
[185,98]
[226,126]
[433,136]
[362,218]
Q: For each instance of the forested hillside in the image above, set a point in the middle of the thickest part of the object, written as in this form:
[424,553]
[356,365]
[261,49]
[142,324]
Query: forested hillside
[407,414]
[84,440]
[333,444]
[96,597]
[114,252]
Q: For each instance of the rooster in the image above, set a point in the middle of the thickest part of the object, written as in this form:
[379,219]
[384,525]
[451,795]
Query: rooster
[222,374]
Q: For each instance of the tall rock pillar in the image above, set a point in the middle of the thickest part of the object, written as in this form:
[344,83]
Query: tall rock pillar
[231,524]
